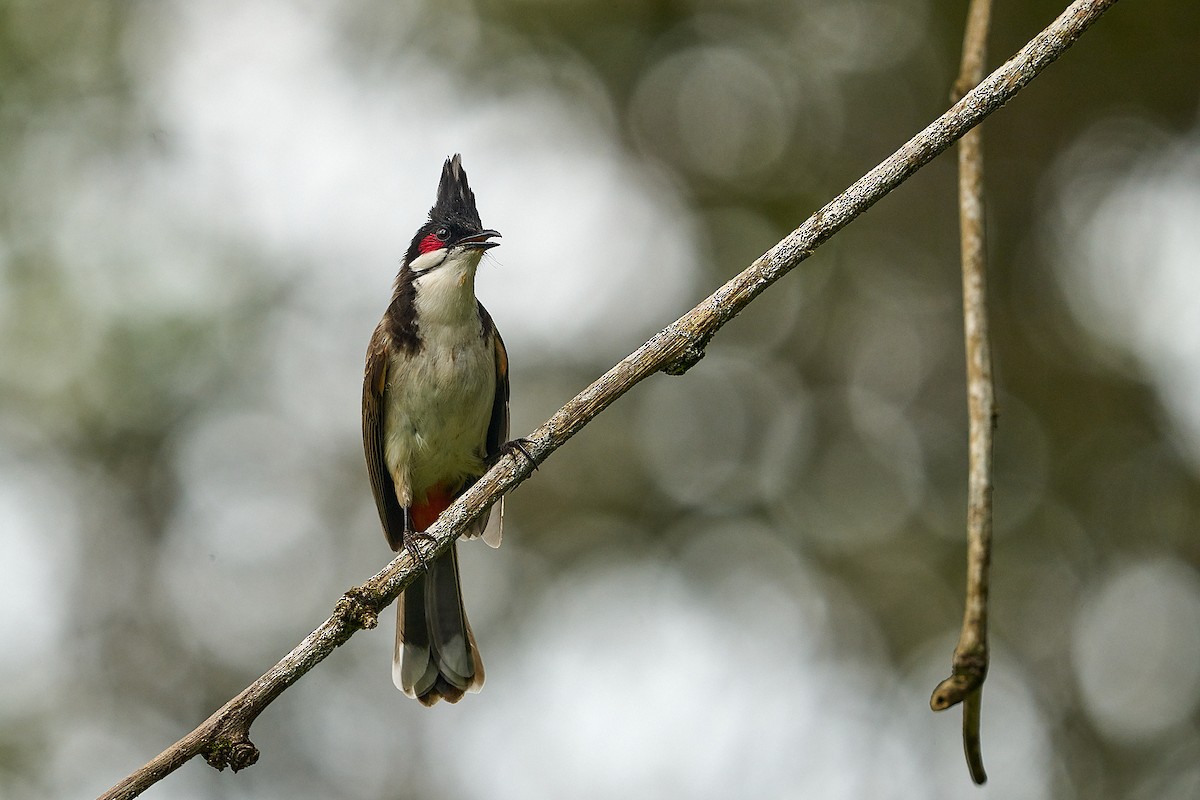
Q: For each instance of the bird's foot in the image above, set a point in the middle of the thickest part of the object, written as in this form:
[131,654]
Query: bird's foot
[511,448]
[412,540]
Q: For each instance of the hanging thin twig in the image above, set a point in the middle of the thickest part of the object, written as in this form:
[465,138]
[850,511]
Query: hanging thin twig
[970,662]
[224,738]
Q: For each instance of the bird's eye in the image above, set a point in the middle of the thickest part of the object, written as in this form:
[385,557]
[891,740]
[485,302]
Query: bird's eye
[442,233]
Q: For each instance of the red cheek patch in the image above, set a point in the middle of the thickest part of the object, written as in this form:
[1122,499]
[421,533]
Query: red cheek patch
[430,243]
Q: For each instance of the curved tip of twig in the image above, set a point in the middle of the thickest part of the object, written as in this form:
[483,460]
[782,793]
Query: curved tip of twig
[972,748]
[965,688]
[975,765]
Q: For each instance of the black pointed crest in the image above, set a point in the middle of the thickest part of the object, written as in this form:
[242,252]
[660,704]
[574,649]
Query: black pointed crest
[455,204]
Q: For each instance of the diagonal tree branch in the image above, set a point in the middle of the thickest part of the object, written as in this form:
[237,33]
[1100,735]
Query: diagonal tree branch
[970,663]
[223,739]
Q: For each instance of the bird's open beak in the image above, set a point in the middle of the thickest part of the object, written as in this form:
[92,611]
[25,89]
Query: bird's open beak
[479,241]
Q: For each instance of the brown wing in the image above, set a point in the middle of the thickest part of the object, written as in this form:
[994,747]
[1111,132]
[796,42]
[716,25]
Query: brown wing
[497,433]
[491,524]
[374,382]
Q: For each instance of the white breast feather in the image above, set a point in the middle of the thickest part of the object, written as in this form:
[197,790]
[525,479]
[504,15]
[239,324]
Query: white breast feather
[439,401]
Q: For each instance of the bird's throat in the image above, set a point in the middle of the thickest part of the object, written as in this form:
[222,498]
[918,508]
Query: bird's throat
[446,295]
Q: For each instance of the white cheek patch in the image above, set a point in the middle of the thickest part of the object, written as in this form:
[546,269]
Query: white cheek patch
[427,261]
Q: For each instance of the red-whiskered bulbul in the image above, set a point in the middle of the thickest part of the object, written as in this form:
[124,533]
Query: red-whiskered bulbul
[435,413]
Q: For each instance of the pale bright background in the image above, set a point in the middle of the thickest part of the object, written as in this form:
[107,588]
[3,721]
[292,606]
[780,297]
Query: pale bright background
[740,583]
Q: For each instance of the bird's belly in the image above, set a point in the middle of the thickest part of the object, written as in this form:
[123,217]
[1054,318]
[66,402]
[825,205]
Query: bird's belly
[438,407]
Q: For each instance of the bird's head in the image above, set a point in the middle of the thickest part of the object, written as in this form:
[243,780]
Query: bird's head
[453,230]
